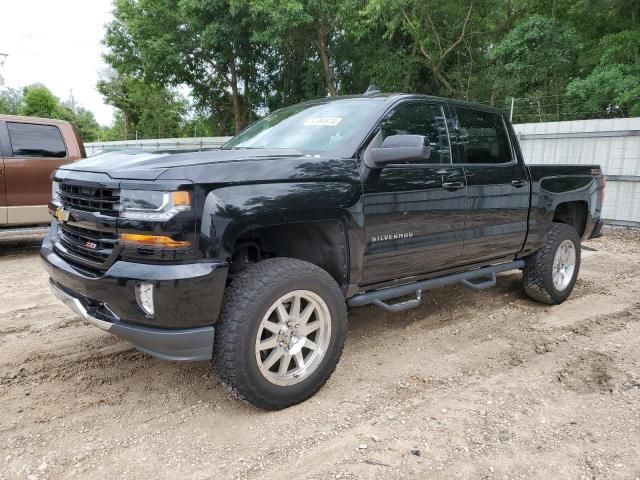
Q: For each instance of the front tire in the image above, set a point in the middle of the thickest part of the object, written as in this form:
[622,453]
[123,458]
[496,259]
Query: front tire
[281,332]
[551,273]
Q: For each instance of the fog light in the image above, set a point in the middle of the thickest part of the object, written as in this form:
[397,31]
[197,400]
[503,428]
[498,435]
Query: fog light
[144,296]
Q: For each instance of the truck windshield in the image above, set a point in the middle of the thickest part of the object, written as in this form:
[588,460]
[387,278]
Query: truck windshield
[312,127]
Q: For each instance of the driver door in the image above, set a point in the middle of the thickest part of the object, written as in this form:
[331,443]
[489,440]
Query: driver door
[414,213]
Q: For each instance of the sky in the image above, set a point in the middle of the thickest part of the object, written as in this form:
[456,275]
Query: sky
[56,43]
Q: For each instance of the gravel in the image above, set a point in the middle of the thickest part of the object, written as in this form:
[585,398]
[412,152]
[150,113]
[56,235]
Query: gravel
[469,385]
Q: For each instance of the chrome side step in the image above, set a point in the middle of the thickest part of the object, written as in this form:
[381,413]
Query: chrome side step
[486,275]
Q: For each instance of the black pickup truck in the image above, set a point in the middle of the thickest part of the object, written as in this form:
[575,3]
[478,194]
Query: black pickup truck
[249,255]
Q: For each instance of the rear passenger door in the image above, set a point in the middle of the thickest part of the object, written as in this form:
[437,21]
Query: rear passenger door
[497,187]
[35,151]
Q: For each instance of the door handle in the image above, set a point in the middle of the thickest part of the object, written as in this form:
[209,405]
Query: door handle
[518,182]
[452,185]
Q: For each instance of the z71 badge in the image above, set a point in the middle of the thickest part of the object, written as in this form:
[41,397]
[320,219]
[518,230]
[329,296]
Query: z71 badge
[391,236]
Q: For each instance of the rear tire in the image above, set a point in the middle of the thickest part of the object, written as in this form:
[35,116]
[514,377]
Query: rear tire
[550,274]
[281,332]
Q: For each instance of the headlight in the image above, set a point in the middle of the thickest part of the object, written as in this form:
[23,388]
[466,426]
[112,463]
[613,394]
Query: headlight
[152,205]
[55,192]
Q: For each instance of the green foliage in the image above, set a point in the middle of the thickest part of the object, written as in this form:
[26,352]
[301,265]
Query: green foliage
[86,123]
[535,57]
[242,58]
[10,101]
[616,78]
[148,110]
[40,102]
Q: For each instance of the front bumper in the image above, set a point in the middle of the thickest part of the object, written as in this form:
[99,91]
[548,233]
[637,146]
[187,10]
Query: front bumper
[182,345]
[187,302]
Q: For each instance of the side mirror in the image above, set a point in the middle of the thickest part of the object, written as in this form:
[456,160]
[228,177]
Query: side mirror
[400,149]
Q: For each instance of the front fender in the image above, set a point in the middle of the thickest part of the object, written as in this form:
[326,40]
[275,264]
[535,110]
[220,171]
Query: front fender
[230,211]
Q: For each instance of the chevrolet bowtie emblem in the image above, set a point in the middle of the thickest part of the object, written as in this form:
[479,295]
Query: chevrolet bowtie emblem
[62,215]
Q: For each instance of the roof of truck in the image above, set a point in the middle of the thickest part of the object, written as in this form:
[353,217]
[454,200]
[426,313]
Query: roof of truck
[395,96]
[20,118]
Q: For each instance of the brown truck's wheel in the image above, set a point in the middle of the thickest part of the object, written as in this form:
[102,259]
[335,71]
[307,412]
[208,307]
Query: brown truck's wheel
[281,332]
[550,274]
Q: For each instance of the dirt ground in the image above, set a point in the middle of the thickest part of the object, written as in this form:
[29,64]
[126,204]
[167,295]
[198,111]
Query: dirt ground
[470,385]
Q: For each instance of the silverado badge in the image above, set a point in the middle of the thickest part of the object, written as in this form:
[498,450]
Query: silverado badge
[62,215]
[391,236]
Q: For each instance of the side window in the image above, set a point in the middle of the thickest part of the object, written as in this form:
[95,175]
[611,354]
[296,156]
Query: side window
[31,140]
[484,136]
[418,118]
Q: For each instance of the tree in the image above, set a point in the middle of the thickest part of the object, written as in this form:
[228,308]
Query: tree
[307,23]
[86,123]
[241,59]
[534,60]
[440,34]
[616,77]
[40,102]
[152,111]
[10,101]
[204,44]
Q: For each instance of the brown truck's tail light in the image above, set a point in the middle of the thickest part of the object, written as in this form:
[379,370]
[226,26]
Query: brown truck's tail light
[139,240]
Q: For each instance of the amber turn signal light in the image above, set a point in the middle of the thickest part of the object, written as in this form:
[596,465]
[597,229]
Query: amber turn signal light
[139,240]
[181,199]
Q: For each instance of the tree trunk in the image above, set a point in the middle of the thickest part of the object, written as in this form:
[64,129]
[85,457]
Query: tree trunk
[248,78]
[125,117]
[235,98]
[323,51]
[445,83]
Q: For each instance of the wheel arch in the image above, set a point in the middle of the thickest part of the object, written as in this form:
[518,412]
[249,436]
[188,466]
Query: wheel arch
[323,243]
[573,213]
[310,221]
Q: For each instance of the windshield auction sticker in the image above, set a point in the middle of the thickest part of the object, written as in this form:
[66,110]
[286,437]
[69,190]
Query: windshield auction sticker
[322,121]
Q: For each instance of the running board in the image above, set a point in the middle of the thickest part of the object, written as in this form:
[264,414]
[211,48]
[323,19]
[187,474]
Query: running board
[486,275]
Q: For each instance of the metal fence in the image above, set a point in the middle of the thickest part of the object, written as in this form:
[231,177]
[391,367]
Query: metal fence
[162,144]
[614,144]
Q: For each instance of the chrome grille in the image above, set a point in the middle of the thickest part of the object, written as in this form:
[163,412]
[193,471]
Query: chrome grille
[91,245]
[88,238]
[90,199]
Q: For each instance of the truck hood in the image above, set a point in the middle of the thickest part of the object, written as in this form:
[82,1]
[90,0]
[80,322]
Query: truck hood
[215,166]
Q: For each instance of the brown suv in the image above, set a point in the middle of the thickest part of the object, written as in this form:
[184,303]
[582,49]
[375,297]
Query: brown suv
[30,150]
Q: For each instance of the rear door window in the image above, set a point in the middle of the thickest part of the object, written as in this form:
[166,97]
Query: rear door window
[31,140]
[484,136]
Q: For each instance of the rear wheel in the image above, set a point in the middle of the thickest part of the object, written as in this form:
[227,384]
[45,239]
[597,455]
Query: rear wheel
[550,274]
[281,332]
